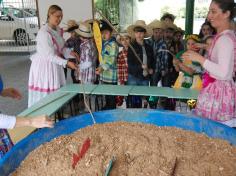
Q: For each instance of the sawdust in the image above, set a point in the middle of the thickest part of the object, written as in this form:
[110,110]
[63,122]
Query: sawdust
[139,149]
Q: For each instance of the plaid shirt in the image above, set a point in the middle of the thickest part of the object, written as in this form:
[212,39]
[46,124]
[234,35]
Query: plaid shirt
[109,58]
[122,67]
[161,57]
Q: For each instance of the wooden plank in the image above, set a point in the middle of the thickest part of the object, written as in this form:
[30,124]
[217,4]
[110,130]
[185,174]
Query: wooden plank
[112,90]
[48,105]
[78,88]
[151,91]
[164,92]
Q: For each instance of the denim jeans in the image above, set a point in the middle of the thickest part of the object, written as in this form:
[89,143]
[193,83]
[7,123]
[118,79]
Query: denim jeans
[135,101]
[136,81]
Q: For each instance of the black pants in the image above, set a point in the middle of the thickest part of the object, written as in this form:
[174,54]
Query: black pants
[72,73]
[167,80]
[110,100]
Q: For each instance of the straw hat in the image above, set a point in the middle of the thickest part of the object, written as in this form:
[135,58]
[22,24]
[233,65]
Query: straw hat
[71,25]
[139,23]
[122,34]
[89,21]
[156,24]
[84,30]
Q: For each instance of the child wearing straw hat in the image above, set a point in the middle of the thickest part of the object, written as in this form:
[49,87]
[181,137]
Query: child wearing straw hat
[122,63]
[74,40]
[159,49]
[140,68]
[88,55]
[169,75]
[73,43]
[108,68]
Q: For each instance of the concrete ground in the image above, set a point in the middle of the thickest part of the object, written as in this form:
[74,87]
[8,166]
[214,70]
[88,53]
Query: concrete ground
[14,70]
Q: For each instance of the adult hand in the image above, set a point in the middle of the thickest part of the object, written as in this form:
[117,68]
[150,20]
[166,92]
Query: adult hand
[163,73]
[150,71]
[12,93]
[41,121]
[71,65]
[193,56]
[200,46]
[144,66]
[176,62]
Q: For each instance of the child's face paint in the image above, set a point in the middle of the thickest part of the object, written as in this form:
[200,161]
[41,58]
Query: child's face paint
[191,45]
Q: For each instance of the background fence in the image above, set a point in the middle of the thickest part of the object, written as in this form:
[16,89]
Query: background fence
[18,25]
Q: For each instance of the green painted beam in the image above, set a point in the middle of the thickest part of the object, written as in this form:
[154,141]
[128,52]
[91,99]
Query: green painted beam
[189,18]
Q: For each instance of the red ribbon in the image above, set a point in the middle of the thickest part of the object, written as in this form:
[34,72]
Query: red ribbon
[81,154]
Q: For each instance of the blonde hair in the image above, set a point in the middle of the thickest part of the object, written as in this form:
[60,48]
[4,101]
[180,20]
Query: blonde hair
[52,9]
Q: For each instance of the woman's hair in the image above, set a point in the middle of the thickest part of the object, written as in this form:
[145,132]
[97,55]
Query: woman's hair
[52,9]
[226,5]
[207,23]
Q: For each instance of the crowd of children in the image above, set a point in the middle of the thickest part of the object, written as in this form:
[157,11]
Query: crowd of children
[141,55]
[154,54]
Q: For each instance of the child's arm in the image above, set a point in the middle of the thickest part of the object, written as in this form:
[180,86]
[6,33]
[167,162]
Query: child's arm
[176,64]
[200,46]
[179,64]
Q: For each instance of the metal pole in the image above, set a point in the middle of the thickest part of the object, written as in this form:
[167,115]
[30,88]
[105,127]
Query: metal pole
[189,17]
[37,12]
[93,11]
[26,32]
